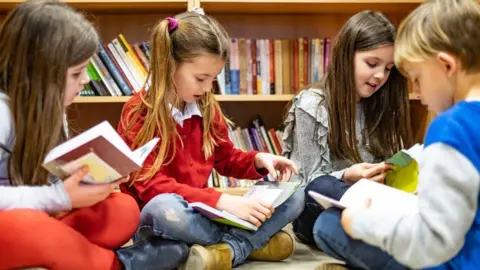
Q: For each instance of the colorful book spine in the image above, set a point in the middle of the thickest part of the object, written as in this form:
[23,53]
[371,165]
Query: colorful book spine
[114,71]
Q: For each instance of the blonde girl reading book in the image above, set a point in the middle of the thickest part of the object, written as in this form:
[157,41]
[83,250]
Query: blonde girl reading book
[437,48]
[188,52]
[47,222]
[341,129]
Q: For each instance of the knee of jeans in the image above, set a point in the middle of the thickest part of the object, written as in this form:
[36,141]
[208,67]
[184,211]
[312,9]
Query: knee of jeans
[165,210]
[295,204]
[320,184]
[325,228]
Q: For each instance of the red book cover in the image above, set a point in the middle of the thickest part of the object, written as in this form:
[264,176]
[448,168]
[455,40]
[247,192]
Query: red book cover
[272,66]
[276,142]
[296,70]
[254,66]
[306,61]
[102,150]
[120,70]
[327,53]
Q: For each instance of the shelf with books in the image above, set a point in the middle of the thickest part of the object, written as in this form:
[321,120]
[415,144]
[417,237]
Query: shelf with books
[307,6]
[114,6]
[293,21]
[221,98]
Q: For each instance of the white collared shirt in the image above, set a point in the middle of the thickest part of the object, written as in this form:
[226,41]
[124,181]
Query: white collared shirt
[190,110]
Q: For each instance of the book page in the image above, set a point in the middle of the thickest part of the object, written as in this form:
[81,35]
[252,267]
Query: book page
[222,216]
[141,153]
[382,197]
[415,152]
[99,171]
[266,194]
[326,202]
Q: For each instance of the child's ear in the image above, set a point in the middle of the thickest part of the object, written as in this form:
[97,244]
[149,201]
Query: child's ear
[448,63]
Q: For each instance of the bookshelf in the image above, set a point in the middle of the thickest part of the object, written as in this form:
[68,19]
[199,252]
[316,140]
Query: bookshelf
[220,98]
[307,6]
[115,6]
[252,19]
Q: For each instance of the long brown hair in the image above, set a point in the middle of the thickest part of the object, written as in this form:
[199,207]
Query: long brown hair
[387,113]
[39,41]
[196,35]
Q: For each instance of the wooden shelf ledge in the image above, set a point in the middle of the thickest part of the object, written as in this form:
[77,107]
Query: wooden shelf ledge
[233,191]
[221,98]
[115,6]
[308,6]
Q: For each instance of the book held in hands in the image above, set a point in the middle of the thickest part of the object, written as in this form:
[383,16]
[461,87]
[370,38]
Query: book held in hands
[102,150]
[382,197]
[405,166]
[274,193]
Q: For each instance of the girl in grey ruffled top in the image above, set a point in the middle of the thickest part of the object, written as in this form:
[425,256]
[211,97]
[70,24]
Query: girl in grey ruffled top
[343,128]
[305,138]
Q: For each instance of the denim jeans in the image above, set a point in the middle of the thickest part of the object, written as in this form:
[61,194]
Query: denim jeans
[324,229]
[171,217]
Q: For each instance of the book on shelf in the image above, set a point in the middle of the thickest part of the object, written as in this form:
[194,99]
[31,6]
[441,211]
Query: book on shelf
[118,69]
[100,148]
[274,193]
[269,67]
[381,197]
[255,66]
[257,137]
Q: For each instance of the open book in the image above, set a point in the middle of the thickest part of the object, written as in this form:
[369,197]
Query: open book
[382,197]
[101,149]
[274,193]
[404,174]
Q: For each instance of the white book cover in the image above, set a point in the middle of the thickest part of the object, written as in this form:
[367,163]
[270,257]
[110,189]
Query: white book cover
[381,197]
[270,193]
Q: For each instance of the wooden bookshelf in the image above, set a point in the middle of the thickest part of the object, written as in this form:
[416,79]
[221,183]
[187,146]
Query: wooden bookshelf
[221,98]
[307,6]
[115,6]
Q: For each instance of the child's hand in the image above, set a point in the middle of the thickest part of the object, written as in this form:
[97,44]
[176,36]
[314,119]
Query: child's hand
[275,163]
[349,214]
[371,171]
[252,210]
[82,195]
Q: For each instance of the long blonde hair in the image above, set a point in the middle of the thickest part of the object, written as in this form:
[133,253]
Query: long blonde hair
[39,41]
[441,25]
[195,35]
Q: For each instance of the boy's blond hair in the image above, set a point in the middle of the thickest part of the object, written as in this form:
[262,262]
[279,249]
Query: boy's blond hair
[441,25]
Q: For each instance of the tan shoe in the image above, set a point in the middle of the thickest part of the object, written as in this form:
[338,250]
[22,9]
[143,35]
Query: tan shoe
[278,248]
[211,257]
[332,266]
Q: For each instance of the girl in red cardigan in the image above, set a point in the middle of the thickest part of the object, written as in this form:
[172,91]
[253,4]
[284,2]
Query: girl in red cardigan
[188,52]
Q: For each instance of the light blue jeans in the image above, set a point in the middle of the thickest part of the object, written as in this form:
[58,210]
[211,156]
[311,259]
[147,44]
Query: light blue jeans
[324,228]
[171,217]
